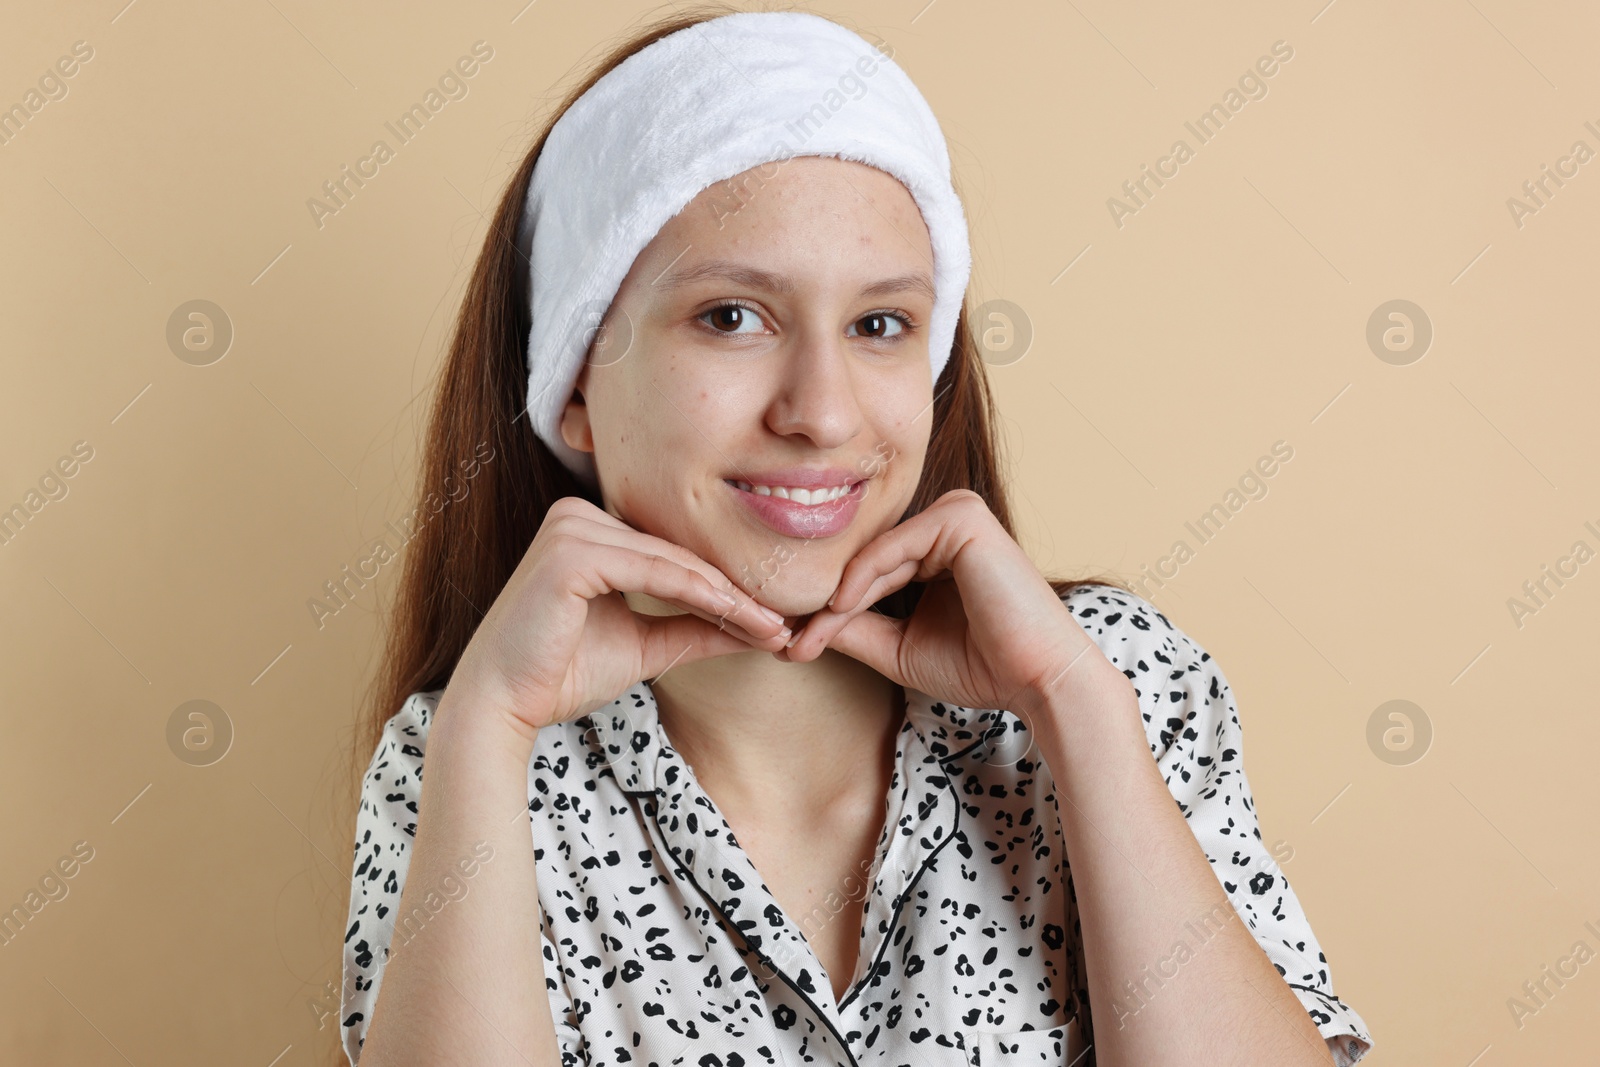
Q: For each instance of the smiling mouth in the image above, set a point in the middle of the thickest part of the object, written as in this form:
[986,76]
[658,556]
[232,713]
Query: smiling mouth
[796,495]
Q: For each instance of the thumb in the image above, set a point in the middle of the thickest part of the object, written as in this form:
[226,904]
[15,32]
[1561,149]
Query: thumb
[669,640]
[875,640]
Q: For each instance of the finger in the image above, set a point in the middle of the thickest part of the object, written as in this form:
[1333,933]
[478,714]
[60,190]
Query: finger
[877,641]
[738,608]
[923,547]
[746,609]
[880,642]
[680,639]
[814,636]
[578,514]
[608,568]
[914,540]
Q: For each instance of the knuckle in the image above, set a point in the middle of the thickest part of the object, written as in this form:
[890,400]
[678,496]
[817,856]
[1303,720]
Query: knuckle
[570,505]
[965,496]
[661,567]
[677,554]
[563,542]
[558,522]
[564,508]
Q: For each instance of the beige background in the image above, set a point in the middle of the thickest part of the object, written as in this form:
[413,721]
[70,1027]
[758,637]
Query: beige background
[1230,312]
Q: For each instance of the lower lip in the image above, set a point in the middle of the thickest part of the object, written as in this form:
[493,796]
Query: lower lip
[803,520]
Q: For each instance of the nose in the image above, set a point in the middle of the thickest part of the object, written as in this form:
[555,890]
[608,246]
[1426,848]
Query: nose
[816,391]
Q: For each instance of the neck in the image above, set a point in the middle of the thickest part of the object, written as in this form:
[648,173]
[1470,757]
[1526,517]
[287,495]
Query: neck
[797,739]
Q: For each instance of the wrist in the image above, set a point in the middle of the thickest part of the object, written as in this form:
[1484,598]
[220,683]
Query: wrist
[476,716]
[1086,696]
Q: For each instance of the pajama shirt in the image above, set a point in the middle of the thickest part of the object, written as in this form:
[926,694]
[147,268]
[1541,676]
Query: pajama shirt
[662,945]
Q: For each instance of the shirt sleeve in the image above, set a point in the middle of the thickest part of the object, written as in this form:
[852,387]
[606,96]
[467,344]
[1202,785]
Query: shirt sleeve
[1192,725]
[386,825]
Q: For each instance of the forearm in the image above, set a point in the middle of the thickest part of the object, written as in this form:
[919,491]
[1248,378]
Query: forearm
[465,981]
[1175,977]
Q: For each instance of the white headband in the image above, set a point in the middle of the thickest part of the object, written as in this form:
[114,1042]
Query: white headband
[696,107]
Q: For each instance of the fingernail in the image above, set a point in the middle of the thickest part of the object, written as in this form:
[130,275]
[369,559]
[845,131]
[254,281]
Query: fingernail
[790,643]
[727,599]
[833,598]
[772,615]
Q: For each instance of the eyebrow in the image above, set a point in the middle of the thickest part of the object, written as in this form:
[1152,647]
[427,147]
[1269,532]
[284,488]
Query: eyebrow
[756,278]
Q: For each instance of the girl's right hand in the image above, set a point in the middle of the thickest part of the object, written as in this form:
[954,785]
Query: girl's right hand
[560,640]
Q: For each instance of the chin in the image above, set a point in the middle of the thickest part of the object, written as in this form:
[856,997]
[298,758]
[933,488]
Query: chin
[790,594]
[791,605]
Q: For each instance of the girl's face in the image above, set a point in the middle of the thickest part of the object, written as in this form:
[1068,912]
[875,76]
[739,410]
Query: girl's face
[773,334]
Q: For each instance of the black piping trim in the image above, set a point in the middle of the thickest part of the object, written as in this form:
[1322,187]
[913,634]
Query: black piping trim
[826,1021]
[894,920]
[982,738]
[1318,992]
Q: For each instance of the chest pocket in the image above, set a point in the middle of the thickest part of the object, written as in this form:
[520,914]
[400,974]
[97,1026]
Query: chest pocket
[1025,1048]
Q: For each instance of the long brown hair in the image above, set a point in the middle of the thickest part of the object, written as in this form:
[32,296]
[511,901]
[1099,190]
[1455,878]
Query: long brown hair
[471,541]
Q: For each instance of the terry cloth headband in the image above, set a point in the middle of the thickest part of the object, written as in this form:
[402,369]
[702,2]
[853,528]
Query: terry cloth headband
[696,107]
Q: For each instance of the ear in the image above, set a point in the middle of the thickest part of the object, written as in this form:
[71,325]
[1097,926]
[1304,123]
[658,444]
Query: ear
[575,428]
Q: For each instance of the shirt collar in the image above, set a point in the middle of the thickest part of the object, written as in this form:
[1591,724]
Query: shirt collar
[921,816]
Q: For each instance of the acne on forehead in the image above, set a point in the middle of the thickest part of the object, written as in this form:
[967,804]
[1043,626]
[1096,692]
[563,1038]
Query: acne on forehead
[749,234]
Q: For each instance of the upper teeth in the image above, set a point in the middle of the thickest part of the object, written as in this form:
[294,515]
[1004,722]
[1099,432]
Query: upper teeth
[799,496]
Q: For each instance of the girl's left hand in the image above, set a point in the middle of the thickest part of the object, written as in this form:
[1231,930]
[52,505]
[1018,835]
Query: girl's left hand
[987,632]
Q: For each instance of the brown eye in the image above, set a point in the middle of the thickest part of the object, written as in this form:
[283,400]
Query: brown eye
[731,318]
[877,326]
